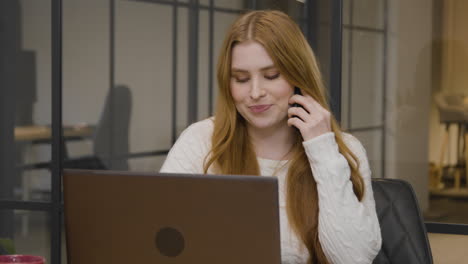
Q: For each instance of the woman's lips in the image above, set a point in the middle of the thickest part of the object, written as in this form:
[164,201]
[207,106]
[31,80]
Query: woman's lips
[259,108]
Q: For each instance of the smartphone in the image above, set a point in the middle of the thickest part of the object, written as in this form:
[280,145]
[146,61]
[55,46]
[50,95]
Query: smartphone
[297,91]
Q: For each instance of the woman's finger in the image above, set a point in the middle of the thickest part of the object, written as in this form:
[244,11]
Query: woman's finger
[295,121]
[299,112]
[300,100]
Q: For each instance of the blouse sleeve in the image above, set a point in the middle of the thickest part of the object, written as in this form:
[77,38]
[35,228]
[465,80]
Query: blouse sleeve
[349,230]
[188,153]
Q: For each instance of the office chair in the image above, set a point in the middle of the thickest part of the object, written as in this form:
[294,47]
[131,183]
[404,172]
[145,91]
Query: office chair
[111,137]
[404,236]
[111,140]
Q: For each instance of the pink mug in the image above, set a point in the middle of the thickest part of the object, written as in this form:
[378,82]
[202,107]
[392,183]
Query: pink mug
[21,259]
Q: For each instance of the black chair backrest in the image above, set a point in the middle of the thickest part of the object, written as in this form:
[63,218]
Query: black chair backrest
[111,138]
[404,236]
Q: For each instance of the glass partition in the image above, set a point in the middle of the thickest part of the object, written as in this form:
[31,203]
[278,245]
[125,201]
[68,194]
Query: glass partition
[25,120]
[405,97]
[26,99]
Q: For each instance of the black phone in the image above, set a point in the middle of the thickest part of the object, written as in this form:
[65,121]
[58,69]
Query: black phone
[297,91]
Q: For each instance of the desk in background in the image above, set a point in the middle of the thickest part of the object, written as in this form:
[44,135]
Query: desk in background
[40,134]
[44,133]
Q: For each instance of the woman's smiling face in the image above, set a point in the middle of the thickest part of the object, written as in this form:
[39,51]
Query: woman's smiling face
[259,91]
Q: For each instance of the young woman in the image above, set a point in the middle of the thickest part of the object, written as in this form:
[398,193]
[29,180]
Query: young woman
[327,209]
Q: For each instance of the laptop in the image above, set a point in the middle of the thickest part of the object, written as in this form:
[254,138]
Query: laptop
[130,217]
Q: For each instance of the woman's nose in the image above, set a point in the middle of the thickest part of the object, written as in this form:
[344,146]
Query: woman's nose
[257,91]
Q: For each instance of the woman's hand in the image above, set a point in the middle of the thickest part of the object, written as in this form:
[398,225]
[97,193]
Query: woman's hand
[311,119]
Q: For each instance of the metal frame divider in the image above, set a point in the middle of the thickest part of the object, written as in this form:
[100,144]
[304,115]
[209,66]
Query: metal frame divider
[350,63]
[310,14]
[25,205]
[384,88]
[110,138]
[336,57]
[193,22]
[210,56]
[57,133]
[174,71]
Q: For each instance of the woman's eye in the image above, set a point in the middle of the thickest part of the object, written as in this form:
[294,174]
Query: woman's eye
[272,76]
[241,80]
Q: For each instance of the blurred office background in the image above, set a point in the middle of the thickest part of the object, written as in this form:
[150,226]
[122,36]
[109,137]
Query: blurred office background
[137,72]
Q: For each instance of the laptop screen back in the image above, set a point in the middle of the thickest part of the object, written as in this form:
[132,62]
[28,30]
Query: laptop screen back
[128,217]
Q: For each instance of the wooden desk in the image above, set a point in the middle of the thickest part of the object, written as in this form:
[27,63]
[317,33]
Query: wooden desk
[32,133]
